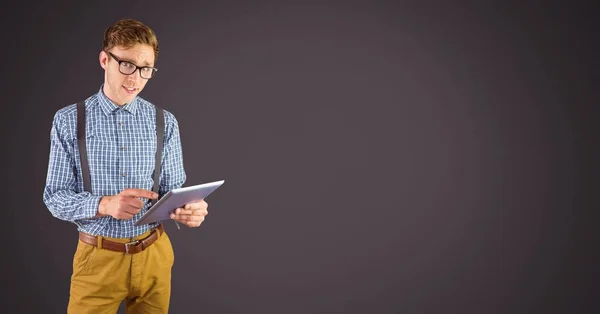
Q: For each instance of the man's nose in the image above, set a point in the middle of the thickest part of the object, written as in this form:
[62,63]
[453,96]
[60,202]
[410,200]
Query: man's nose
[135,76]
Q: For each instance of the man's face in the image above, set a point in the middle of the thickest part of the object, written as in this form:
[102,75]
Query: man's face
[119,87]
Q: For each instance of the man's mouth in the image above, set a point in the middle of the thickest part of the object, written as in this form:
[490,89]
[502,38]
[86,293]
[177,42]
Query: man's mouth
[130,90]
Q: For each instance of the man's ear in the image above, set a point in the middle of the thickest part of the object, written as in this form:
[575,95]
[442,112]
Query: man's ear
[103,58]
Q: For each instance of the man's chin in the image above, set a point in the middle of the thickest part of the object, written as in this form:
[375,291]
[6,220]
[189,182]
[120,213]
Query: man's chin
[125,99]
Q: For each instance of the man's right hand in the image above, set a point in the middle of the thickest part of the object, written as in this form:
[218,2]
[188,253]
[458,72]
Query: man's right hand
[125,204]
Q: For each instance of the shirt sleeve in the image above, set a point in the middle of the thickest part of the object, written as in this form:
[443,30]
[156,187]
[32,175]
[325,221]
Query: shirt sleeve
[62,194]
[172,172]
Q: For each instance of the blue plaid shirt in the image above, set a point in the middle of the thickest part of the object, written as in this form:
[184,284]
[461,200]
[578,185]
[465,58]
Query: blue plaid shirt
[121,143]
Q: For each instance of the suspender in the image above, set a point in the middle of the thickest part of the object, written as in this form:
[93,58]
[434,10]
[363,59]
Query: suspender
[160,127]
[85,170]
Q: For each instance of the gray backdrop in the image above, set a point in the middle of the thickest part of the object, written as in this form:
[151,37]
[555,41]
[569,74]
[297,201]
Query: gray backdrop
[378,157]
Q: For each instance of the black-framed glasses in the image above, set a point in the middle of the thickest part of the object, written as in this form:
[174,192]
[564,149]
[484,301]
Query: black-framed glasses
[128,68]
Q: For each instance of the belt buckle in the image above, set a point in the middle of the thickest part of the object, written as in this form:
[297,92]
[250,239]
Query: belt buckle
[136,242]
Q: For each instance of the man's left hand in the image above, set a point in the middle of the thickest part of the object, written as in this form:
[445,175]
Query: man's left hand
[192,214]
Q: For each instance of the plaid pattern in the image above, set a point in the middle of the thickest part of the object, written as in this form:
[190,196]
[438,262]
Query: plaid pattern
[121,143]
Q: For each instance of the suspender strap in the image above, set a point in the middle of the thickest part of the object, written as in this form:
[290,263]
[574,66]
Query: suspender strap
[85,170]
[160,131]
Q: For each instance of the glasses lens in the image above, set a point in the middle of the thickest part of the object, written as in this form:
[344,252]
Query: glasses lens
[147,72]
[127,68]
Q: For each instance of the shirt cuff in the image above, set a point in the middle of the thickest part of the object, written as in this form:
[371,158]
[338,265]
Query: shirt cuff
[90,207]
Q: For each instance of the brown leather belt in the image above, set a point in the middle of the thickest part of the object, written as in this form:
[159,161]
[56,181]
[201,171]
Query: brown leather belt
[129,248]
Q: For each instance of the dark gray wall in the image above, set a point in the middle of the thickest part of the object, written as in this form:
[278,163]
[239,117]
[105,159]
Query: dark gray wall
[378,157]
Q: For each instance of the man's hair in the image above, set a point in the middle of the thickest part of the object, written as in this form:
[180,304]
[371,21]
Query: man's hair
[127,33]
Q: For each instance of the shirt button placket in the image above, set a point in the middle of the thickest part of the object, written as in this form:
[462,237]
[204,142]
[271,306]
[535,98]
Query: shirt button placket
[122,156]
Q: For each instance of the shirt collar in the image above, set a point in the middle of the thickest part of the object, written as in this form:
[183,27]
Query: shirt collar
[109,107]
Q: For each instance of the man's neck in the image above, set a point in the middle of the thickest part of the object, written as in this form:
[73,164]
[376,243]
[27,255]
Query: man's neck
[110,98]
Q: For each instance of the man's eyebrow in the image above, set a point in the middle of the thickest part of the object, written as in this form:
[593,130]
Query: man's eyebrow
[146,63]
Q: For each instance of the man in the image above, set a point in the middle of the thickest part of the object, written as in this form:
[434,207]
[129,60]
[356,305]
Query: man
[116,260]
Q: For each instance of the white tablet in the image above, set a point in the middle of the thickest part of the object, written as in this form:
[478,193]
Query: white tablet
[177,198]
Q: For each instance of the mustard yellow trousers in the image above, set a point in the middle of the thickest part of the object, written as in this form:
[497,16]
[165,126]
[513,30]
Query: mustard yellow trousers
[102,279]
